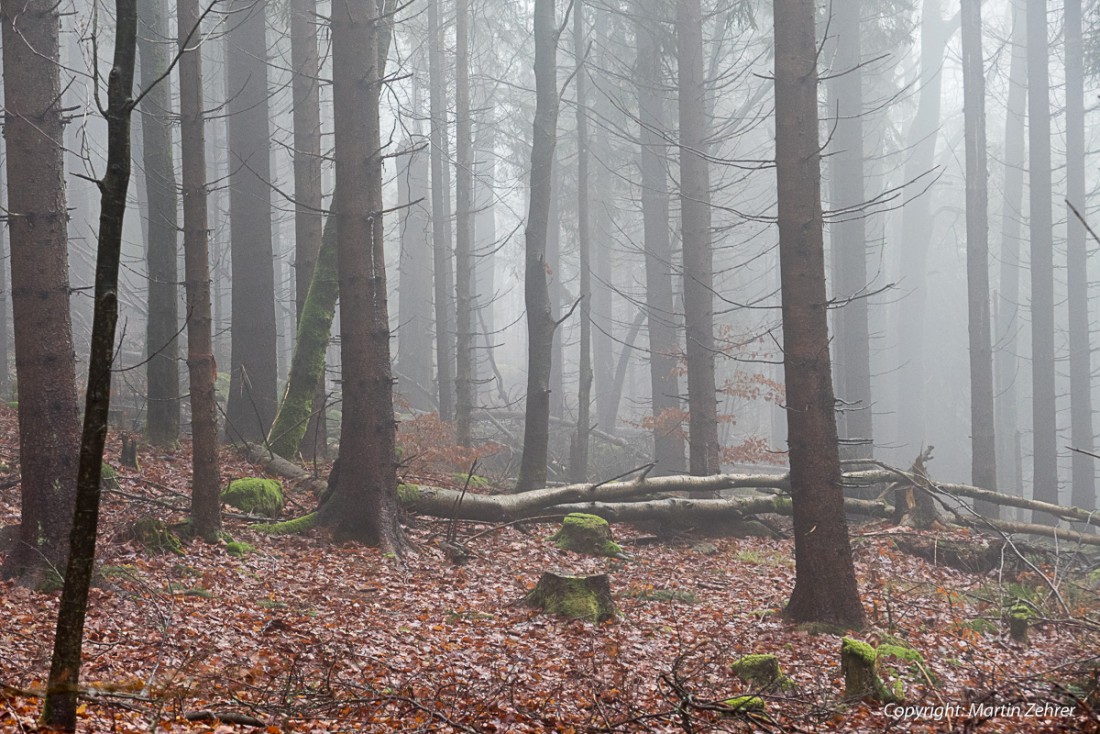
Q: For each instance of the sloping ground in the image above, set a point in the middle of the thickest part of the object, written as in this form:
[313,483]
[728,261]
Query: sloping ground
[306,636]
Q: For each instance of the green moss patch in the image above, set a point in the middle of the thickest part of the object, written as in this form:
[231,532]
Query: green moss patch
[744,704]
[238,549]
[256,496]
[761,672]
[588,534]
[577,597]
[155,537]
[859,662]
[296,526]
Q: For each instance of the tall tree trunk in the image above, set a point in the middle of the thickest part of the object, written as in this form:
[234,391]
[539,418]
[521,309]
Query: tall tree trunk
[664,351]
[363,504]
[849,236]
[464,229]
[414,348]
[825,583]
[695,228]
[254,382]
[162,425]
[917,228]
[5,298]
[554,289]
[441,217]
[1044,427]
[60,707]
[602,237]
[44,367]
[1008,323]
[1080,361]
[202,369]
[307,180]
[485,235]
[540,320]
[983,436]
[578,455]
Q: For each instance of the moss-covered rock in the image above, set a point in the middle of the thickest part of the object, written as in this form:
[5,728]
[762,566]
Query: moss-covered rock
[255,495]
[289,527]
[744,704]
[155,537]
[761,672]
[577,597]
[238,549]
[859,662]
[588,534]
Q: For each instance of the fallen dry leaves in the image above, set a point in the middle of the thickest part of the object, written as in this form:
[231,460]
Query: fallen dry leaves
[307,636]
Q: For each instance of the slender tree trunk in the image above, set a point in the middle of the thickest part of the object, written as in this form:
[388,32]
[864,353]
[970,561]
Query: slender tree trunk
[464,229]
[554,289]
[664,351]
[825,583]
[162,327]
[485,236]
[44,359]
[254,382]
[1080,361]
[917,228]
[202,369]
[441,218]
[414,348]
[307,180]
[60,707]
[578,455]
[1044,427]
[540,321]
[363,505]
[5,299]
[983,437]
[603,234]
[1006,363]
[849,236]
[698,265]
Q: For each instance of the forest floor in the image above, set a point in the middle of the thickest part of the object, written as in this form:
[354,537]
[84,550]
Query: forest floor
[309,636]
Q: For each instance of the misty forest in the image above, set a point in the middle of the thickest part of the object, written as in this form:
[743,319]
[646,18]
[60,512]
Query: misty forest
[549,366]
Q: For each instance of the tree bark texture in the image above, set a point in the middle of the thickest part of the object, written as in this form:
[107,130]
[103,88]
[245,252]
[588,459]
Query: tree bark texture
[254,381]
[664,349]
[414,347]
[983,444]
[60,707]
[465,334]
[363,505]
[44,359]
[825,582]
[540,320]
[1044,425]
[162,423]
[202,369]
[578,454]
[695,232]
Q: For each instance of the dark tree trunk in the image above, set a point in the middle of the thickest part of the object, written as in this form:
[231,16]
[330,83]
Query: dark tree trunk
[363,504]
[485,238]
[825,583]
[202,369]
[664,351]
[59,710]
[44,366]
[849,236]
[1044,427]
[1080,362]
[554,290]
[162,426]
[414,348]
[540,320]
[917,229]
[307,182]
[441,218]
[252,393]
[983,437]
[698,257]
[578,454]
[464,229]
[1006,363]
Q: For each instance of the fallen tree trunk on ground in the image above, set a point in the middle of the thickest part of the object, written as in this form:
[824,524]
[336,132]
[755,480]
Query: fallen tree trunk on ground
[640,499]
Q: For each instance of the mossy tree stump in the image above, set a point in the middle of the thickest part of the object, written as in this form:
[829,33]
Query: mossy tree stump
[588,534]
[577,597]
[761,672]
[1019,620]
[154,536]
[859,662]
[255,495]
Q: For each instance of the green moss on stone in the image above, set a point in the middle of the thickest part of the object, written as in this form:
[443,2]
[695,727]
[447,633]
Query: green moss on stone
[238,549]
[289,527]
[745,704]
[761,671]
[255,495]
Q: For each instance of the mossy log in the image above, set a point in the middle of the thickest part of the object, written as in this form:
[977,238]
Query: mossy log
[255,495]
[578,597]
[297,526]
[859,662]
[588,534]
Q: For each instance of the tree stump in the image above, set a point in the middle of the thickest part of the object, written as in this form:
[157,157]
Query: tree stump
[859,662]
[588,534]
[761,672]
[577,597]
[128,457]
